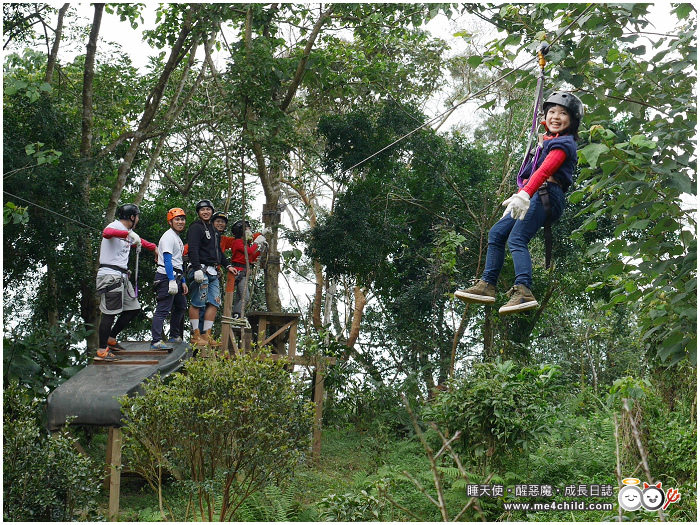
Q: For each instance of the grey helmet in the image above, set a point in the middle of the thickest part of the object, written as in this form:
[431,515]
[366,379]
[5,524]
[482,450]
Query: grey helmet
[567,100]
[204,204]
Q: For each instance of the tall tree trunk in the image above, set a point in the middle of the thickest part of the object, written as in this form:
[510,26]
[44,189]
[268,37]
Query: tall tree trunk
[360,302]
[272,190]
[88,301]
[178,52]
[51,64]
[271,178]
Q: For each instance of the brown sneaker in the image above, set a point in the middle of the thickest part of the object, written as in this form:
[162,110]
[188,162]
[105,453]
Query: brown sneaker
[521,299]
[104,354]
[114,345]
[482,293]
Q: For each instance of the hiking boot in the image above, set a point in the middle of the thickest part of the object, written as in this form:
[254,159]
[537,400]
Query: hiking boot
[175,340]
[482,293]
[160,345]
[198,339]
[103,354]
[210,340]
[521,299]
[114,345]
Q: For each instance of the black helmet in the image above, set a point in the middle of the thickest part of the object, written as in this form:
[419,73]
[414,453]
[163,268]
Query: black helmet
[219,215]
[567,100]
[238,228]
[127,211]
[204,204]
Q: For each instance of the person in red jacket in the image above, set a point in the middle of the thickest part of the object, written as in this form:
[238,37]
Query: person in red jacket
[117,296]
[253,244]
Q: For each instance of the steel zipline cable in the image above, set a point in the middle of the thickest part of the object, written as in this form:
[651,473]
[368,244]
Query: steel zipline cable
[468,97]
[427,123]
[51,211]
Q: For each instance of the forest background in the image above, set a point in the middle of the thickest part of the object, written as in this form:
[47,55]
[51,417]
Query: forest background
[326,111]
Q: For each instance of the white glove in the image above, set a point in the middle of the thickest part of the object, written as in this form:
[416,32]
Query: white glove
[134,238]
[267,231]
[172,287]
[260,239]
[199,276]
[517,205]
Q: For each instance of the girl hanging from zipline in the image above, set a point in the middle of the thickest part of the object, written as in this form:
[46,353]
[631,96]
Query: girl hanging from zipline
[541,198]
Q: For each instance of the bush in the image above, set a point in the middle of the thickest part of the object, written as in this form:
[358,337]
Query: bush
[501,410]
[44,479]
[43,359]
[225,428]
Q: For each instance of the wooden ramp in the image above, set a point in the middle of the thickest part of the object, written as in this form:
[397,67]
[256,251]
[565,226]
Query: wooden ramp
[91,397]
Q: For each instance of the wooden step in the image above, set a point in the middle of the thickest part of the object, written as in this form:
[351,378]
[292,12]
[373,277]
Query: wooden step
[141,352]
[128,362]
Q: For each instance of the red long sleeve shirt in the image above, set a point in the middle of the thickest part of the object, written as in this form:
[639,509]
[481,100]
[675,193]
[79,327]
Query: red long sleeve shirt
[549,166]
[108,233]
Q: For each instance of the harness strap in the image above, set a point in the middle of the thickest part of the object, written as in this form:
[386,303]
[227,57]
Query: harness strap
[106,289]
[114,267]
[548,241]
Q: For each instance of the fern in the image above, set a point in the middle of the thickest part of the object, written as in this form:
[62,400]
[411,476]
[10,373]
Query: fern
[270,505]
[450,472]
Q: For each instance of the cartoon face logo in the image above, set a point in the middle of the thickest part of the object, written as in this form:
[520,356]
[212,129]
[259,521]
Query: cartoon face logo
[630,497]
[653,497]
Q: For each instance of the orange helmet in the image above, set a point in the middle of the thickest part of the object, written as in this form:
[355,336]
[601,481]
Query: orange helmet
[175,212]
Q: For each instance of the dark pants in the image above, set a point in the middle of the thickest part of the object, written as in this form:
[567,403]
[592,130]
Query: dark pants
[106,330]
[165,304]
[517,235]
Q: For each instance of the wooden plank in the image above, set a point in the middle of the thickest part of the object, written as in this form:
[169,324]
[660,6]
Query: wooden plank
[292,345]
[278,332]
[140,352]
[114,454]
[128,362]
[226,332]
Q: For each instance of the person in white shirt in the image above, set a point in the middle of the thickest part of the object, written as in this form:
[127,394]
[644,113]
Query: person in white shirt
[117,295]
[171,290]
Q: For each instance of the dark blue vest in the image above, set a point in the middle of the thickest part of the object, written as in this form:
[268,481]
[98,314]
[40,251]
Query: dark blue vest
[565,174]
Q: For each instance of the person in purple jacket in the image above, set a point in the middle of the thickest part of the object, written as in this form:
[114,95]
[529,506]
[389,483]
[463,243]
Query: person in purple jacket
[526,210]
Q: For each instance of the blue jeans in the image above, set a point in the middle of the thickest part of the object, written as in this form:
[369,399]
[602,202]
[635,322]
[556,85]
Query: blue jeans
[517,235]
[206,292]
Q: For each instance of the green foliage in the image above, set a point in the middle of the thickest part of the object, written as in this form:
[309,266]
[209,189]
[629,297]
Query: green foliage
[44,478]
[628,388]
[11,213]
[351,507]
[42,359]
[500,409]
[226,427]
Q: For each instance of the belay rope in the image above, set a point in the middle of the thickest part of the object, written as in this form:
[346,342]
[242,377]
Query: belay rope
[531,158]
[242,321]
